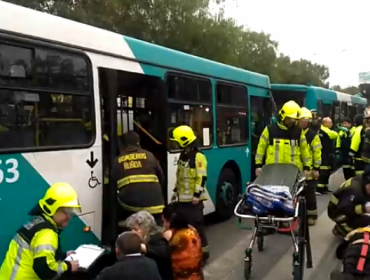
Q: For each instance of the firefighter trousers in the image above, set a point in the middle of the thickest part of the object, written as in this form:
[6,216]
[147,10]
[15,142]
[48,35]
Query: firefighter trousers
[358,221]
[323,181]
[196,219]
[311,199]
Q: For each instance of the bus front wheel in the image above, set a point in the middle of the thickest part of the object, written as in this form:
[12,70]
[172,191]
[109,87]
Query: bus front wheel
[227,193]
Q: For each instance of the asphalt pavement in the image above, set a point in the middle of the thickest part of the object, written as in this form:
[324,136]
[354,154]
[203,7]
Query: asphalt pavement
[228,243]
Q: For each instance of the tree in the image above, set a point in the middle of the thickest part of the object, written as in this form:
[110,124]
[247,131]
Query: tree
[191,26]
[350,89]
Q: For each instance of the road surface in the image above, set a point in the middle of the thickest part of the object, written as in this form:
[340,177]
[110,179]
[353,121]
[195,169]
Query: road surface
[228,243]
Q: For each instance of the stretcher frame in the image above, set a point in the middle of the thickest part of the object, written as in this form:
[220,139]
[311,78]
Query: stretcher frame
[300,239]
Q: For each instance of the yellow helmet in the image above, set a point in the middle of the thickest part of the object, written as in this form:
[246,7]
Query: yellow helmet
[184,135]
[57,196]
[289,110]
[305,114]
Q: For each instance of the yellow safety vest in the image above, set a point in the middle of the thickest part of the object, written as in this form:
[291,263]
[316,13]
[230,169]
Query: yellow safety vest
[191,176]
[35,241]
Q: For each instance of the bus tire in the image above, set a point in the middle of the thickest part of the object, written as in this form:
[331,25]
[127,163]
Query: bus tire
[228,189]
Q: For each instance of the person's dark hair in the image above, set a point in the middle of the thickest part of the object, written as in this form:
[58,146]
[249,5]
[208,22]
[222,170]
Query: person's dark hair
[346,119]
[358,119]
[131,138]
[176,216]
[128,243]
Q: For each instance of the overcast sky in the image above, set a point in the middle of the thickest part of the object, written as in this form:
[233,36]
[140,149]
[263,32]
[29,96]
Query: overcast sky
[334,33]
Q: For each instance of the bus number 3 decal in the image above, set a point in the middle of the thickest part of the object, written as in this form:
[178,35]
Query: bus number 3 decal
[11,174]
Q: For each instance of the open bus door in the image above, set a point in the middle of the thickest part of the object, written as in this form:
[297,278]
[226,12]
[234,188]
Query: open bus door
[125,98]
[260,118]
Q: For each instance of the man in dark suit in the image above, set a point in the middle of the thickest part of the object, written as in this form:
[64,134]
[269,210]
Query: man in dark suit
[131,264]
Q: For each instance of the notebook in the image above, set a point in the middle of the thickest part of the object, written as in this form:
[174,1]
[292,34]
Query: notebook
[86,255]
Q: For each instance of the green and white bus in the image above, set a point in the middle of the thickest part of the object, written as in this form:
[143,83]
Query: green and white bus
[62,86]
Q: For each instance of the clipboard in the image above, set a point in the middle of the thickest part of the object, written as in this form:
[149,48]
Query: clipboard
[86,255]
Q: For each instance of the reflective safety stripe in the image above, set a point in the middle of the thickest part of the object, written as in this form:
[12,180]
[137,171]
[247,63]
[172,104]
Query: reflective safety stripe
[334,200]
[346,227]
[106,180]
[201,172]
[152,209]
[321,185]
[189,197]
[317,162]
[205,249]
[317,146]
[198,189]
[264,138]
[358,209]
[22,245]
[47,247]
[311,212]
[358,172]
[346,166]
[351,154]
[292,150]
[259,157]
[137,179]
[277,151]
[323,167]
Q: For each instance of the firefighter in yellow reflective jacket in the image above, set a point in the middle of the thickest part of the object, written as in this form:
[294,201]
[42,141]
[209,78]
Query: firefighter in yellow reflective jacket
[327,137]
[139,179]
[360,144]
[314,145]
[343,145]
[35,253]
[191,177]
[284,141]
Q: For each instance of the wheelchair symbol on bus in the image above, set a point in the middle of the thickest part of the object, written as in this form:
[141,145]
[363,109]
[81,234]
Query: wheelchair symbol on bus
[93,181]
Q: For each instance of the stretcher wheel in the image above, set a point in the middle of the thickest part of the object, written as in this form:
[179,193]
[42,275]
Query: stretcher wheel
[297,267]
[260,243]
[248,265]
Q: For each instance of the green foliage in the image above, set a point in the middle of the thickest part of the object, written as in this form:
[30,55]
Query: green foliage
[197,27]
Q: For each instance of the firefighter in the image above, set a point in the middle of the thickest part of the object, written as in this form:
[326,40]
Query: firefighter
[327,136]
[35,253]
[316,121]
[349,205]
[191,177]
[139,179]
[314,144]
[360,144]
[343,144]
[284,141]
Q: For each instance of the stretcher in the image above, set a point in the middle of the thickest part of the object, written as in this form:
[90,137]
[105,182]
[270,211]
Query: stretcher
[295,224]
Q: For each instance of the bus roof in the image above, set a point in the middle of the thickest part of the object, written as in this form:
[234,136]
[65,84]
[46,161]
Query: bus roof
[321,93]
[78,35]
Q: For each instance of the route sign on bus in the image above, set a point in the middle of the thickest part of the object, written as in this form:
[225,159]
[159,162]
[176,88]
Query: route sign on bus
[364,77]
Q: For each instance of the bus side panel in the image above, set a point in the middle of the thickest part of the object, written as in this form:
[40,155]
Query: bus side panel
[26,177]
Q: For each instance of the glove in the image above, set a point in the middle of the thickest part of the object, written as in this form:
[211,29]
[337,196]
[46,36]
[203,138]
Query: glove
[342,128]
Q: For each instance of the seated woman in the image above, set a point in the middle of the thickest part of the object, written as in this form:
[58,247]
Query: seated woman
[154,246]
[185,244]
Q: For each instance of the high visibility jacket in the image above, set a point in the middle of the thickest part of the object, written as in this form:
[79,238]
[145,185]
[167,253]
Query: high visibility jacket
[360,145]
[314,144]
[281,145]
[34,253]
[348,201]
[139,180]
[191,176]
[327,136]
[343,145]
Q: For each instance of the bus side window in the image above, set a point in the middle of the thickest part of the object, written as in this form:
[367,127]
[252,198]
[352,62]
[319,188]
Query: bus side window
[232,114]
[190,103]
[50,106]
[335,115]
